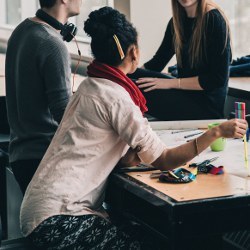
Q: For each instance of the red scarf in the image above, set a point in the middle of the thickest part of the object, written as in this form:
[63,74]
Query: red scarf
[101,70]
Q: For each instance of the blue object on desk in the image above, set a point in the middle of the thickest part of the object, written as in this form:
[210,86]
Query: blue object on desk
[179,175]
[247,134]
[240,67]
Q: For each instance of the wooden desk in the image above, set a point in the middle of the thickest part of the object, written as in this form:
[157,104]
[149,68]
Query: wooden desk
[2,75]
[191,224]
[4,127]
[239,87]
[238,91]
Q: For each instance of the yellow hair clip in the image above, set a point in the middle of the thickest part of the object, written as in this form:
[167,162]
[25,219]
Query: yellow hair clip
[119,47]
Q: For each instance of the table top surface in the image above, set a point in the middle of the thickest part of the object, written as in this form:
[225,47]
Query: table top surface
[2,75]
[233,184]
[241,83]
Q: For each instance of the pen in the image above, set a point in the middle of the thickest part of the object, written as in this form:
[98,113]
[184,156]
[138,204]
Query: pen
[247,134]
[187,136]
[180,131]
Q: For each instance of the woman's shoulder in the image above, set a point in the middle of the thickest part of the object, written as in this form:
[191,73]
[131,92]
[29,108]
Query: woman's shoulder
[170,26]
[215,20]
[214,15]
[103,89]
[171,22]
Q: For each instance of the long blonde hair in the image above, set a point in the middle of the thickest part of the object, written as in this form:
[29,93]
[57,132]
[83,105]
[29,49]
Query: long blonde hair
[198,40]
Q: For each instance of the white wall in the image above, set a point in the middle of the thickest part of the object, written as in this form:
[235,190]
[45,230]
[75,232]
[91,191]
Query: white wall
[150,19]
[123,6]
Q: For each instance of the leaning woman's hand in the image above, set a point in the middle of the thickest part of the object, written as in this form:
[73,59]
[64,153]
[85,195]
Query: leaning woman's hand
[235,128]
[130,159]
[153,83]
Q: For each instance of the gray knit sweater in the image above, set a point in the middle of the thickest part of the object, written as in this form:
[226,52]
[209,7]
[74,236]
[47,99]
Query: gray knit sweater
[37,88]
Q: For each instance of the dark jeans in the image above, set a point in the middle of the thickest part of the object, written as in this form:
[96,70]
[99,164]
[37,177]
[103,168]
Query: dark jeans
[23,171]
[174,104]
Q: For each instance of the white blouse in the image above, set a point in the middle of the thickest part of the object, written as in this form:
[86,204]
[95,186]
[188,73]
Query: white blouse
[100,123]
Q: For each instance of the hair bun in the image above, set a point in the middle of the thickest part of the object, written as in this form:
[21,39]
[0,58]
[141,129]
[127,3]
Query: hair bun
[103,22]
[101,26]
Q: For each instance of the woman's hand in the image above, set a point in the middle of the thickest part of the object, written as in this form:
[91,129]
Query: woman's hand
[188,83]
[235,128]
[130,159]
[154,83]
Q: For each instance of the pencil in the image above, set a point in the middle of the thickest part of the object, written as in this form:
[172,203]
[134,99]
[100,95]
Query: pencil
[240,112]
[187,136]
[245,151]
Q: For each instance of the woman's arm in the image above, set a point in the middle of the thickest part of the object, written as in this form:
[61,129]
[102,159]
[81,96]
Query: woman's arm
[217,59]
[146,146]
[218,54]
[190,83]
[171,158]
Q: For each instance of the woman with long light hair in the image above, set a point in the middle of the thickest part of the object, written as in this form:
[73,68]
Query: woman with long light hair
[198,34]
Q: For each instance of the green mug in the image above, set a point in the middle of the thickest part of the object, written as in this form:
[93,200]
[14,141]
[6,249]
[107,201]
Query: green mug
[220,143]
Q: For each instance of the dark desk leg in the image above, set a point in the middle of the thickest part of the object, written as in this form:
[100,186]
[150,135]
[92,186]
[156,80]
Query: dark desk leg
[4,126]
[3,188]
[214,242]
[3,203]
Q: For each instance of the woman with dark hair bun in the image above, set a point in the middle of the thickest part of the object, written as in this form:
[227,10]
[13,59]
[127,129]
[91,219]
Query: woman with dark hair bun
[103,126]
[102,28]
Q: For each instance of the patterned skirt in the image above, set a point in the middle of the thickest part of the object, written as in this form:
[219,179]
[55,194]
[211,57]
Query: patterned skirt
[84,232]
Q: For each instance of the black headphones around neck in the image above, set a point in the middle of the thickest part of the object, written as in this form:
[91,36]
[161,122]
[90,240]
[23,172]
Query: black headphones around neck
[68,30]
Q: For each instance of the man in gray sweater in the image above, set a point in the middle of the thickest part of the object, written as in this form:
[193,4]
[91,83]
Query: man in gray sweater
[37,84]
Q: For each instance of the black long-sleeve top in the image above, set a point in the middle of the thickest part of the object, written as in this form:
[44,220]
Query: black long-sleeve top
[213,72]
